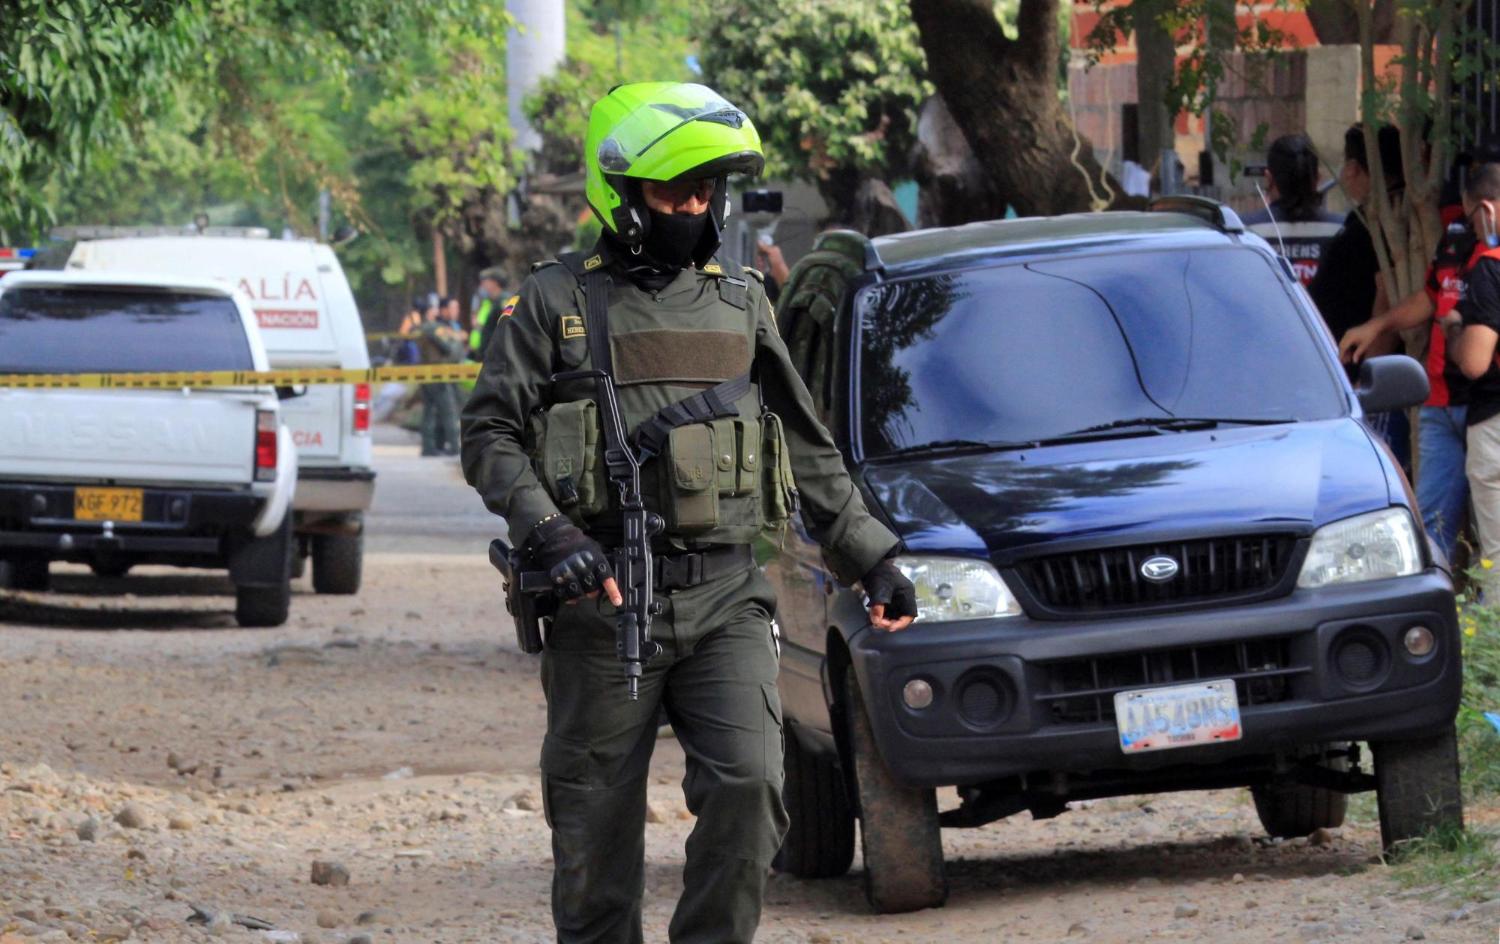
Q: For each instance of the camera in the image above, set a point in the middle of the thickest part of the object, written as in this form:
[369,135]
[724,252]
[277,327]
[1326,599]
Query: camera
[760,201]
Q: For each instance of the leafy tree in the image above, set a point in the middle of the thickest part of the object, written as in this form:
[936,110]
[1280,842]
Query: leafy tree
[1438,50]
[833,87]
[75,76]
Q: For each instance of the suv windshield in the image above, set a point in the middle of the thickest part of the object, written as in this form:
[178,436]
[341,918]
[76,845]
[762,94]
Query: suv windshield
[118,328]
[1021,353]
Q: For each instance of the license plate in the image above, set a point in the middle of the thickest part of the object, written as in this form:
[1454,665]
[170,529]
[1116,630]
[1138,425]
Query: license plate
[108,504]
[1157,719]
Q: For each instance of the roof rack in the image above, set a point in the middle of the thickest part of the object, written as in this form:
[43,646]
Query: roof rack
[1209,211]
[853,244]
[121,232]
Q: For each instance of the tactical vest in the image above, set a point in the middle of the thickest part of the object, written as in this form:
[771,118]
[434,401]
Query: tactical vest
[721,479]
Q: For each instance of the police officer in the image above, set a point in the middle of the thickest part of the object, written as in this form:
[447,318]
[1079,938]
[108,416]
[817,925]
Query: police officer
[657,157]
[486,316]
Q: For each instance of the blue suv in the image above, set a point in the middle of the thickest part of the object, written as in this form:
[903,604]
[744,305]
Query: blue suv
[1154,546]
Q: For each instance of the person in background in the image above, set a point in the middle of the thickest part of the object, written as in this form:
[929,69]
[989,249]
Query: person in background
[1442,485]
[1346,286]
[440,343]
[769,260]
[489,311]
[405,350]
[1292,219]
[1473,341]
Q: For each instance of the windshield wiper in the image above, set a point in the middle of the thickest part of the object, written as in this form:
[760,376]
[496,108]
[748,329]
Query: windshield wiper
[956,446]
[1176,423]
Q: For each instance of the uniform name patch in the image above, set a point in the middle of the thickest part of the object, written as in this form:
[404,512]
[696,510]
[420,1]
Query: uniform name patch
[572,327]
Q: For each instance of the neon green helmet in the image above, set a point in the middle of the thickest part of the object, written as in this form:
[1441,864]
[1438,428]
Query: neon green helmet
[664,131]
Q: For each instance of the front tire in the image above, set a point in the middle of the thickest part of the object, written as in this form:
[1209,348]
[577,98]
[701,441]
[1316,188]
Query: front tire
[337,562]
[899,830]
[819,839]
[1289,810]
[1417,787]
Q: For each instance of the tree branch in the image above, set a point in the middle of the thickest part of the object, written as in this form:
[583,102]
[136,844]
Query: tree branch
[1036,32]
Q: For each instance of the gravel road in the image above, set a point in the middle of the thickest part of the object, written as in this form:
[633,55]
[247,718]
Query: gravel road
[155,761]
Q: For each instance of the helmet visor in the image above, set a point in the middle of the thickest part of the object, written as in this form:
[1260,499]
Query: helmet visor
[650,124]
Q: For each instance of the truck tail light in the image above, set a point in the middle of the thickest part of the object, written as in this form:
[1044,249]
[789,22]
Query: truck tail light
[361,408]
[266,445]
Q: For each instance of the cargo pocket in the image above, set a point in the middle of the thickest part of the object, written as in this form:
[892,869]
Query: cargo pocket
[563,762]
[572,462]
[692,479]
[775,746]
[778,493]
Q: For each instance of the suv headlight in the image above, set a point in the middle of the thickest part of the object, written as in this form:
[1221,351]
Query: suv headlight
[1366,547]
[957,588]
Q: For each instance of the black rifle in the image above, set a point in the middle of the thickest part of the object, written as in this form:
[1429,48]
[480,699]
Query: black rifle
[631,561]
[529,593]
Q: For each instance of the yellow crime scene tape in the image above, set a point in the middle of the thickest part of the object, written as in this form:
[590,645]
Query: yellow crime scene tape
[204,379]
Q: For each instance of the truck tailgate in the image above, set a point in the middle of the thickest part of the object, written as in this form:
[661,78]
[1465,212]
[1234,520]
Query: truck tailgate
[316,421]
[150,436]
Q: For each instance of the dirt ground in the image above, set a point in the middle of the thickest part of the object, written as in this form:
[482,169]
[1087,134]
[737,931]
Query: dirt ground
[155,759]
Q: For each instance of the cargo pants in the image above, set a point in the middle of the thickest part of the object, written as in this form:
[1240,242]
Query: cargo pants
[716,679]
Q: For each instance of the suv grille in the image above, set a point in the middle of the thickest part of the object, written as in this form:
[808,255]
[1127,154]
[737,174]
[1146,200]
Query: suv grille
[1111,579]
[1082,691]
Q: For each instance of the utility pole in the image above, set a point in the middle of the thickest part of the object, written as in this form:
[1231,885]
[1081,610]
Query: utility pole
[536,45]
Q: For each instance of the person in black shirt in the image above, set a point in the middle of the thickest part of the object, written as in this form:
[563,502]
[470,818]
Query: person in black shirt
[1474,350]
[1345,286]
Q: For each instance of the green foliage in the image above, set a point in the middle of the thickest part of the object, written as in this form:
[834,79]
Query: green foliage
[450,123]
[1478,740]
[833,86]
[76,75]
[1462,862]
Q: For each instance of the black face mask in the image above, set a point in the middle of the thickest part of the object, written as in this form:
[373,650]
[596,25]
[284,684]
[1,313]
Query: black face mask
[673,237]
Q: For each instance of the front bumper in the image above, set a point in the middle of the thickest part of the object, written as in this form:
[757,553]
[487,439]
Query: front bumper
[1016,696]
[333,489]
[177,523]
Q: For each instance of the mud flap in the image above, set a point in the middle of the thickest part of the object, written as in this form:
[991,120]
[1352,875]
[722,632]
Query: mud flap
[261,562]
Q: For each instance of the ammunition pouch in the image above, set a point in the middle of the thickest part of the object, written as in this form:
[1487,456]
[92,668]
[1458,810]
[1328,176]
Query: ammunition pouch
[569,459]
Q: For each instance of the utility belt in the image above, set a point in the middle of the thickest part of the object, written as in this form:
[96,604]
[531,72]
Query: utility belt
[685,569]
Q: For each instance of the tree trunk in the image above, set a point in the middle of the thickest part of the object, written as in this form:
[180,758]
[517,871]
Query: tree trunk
[954,187]
[1156,63]
[1003,94]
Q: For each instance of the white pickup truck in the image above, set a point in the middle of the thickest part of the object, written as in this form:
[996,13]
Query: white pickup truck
[112,477]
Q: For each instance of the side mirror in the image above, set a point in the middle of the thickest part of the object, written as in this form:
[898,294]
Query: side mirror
[1392,382]
[292,392]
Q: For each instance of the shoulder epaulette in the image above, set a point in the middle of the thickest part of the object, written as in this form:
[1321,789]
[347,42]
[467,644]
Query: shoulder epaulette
[755,274]
[538,266]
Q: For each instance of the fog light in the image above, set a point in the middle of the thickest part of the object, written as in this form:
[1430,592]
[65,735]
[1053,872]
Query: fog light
[1419,640]
[917,694]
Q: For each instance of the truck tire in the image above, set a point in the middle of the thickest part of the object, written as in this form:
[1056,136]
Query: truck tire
[1289,810]
[30,573]
[263,606]
[819,839]
[899,831]
[337,562]
[1417,787]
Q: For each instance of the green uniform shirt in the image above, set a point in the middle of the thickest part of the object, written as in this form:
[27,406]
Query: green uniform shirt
[666,345]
